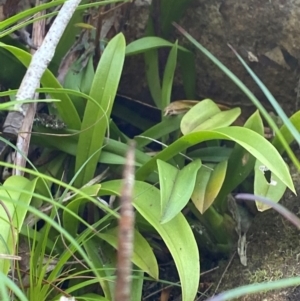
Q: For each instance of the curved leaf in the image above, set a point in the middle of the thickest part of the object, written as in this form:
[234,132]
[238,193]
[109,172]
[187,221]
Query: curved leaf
[208,185]
[272,190]
[254,143]
[176,187]
[206,115]
[176,234]
[95,121]
[240,163]
[143,256]
[148,43]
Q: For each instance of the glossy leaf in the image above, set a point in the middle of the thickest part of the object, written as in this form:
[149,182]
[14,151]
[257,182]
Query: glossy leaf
[143,255]
[209,181]
[206,115]
[197,114]
[176,187]
[95,121]
[248,139]
[271,188]
[176,234]
[240,163]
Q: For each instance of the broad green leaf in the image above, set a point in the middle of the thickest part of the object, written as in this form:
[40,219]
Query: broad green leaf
[222,119]
[176,234]
[95,121]
[143,255]
[240,163]
[206,115]
[148,43]
[167,83]
[209,181]
[65,107]
[12,216]
[248,139]
[198,114]
[272,189]
[176,187]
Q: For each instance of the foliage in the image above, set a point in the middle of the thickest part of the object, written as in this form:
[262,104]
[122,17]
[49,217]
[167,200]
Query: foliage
[204,154]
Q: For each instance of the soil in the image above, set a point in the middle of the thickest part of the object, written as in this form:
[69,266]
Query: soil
[273,253]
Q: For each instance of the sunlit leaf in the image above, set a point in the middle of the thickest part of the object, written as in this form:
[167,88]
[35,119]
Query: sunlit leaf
[206,115]
[209,181]
[176,234]
[95,121]
[271,188]
[176,187]
[248,139]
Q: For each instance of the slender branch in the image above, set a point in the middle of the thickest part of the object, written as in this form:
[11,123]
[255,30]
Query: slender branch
[126,231]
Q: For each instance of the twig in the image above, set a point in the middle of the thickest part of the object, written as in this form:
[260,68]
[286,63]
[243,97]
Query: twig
[225,271]
[126,232]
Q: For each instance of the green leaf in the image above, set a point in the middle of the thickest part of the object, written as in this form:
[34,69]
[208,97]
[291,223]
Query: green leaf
[295,120]
[188,69]
[147,43]
[152,75]
[240,163]
[143,255]
[272,189]
[176,187]
[168,77]
[248,139]
[104,267]
[11,216]
[65,107]
[209,181]
[206,115]
[95,121]
[70,221]
[176,234]
[165,127]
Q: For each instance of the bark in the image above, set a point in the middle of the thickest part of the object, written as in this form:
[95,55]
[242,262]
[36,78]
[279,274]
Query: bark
[264,32]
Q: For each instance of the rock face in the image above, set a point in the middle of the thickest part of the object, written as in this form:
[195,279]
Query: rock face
[264,32]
